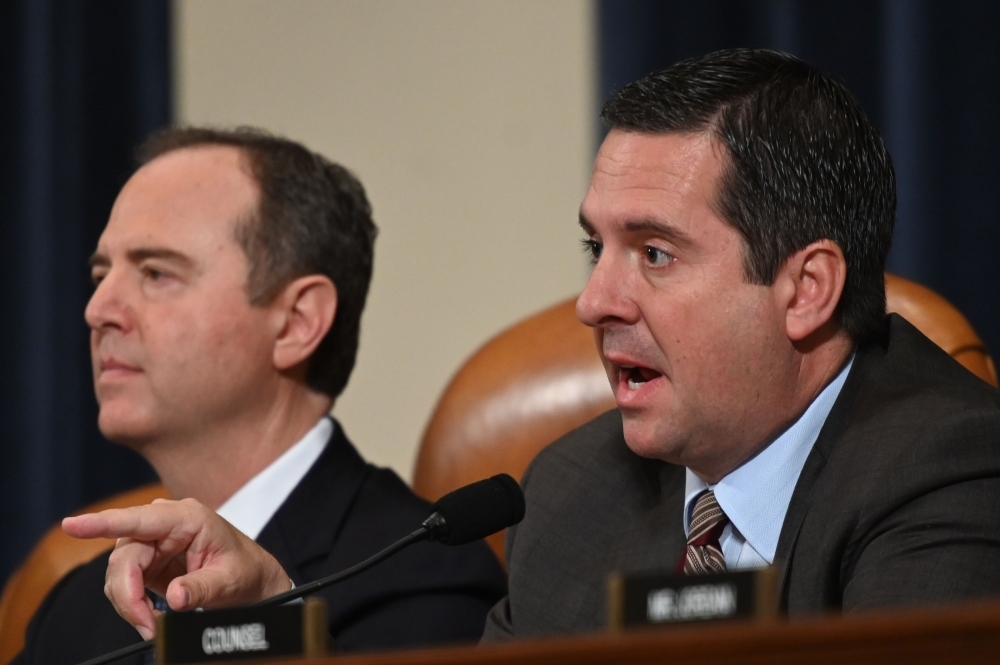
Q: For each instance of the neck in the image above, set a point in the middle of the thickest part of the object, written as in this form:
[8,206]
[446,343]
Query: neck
[212,463]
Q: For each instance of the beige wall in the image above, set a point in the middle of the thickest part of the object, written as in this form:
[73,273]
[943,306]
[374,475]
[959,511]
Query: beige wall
[471,125]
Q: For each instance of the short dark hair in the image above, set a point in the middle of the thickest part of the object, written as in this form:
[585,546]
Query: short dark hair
[312,217]
[805,163]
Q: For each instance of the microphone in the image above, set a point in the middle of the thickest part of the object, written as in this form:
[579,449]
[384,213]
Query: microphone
[462,516]
[476,511]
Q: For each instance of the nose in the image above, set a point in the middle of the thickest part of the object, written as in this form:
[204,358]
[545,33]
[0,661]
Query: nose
[606,298]
[108,306]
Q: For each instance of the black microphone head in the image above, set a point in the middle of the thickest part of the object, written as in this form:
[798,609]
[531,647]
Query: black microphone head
[477,510]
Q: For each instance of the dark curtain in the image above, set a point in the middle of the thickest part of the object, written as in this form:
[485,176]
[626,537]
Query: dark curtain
[928,74]
[83,83]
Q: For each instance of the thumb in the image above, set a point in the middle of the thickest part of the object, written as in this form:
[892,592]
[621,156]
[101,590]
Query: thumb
[187,592]
[206,587]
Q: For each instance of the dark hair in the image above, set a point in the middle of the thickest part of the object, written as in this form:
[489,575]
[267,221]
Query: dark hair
[805,163]
[312,218]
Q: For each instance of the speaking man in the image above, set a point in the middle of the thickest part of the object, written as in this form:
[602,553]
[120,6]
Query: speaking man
[738,217]
[230,282]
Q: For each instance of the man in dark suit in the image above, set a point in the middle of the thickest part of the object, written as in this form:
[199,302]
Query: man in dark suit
[738,216]
[230,282]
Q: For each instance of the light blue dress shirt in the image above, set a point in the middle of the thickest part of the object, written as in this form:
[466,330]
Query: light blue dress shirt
[755,496]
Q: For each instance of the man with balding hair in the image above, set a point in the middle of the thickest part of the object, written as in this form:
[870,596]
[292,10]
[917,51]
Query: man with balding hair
[229,286]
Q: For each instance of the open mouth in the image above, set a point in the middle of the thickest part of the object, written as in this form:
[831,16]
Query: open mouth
[636,377]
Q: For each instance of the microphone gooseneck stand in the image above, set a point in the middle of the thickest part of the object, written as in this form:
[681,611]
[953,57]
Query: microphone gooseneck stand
[133,650]
[423,533]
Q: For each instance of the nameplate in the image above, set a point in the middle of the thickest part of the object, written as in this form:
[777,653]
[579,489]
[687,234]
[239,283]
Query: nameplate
[654,599]
[247,633]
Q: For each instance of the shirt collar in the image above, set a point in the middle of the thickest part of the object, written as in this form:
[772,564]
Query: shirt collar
[254,504]
[755,496]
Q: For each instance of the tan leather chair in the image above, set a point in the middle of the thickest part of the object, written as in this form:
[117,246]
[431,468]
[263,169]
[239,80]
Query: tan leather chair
[542,378]
[55,555]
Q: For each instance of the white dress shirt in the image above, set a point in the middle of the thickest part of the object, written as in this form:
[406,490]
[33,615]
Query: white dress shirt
[755,495]
[254,504]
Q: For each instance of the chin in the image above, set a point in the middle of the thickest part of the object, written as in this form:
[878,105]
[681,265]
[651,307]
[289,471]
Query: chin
[648,439]
[124,429]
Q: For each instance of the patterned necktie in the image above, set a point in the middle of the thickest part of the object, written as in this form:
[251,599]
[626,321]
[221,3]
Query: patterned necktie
[704,553]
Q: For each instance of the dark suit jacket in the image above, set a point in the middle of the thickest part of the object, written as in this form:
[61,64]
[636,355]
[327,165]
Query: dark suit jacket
[341,512]
[897,503]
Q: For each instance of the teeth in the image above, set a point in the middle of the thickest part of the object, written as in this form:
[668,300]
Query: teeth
[633,377]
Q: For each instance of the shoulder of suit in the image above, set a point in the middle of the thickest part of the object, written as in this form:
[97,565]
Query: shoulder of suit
[591,444]
[86,577]
[593,460]
[915,409]
[914,367]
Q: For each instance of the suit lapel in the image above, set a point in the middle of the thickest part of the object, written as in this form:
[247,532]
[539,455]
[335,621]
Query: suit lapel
[836,422]
[308,522]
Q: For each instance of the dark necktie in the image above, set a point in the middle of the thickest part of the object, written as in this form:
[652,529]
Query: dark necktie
[704,553]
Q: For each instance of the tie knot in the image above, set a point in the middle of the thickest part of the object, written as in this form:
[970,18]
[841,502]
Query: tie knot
[706,515]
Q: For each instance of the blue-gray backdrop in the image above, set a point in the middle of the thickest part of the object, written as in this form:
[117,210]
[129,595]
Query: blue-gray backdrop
[83,82]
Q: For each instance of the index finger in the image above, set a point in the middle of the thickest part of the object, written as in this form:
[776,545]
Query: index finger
[152,522]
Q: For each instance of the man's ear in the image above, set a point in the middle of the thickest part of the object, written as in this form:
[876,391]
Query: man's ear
[814,281]
[308,306]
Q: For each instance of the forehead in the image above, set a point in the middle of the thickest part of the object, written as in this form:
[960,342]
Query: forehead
[186,197]
[647,176]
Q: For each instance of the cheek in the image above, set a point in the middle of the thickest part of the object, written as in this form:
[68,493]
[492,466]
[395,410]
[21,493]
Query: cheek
[713,344]
[207,347]
[742,356]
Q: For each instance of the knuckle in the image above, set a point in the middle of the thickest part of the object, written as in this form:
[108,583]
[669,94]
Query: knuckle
[194,508]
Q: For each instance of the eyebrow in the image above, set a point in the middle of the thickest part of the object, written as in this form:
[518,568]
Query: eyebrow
[98,259]
[140,254]
[671,233]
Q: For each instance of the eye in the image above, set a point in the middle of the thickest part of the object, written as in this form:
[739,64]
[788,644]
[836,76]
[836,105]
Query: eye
[656,256]
[592,248]
[97,277]
[153,274]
